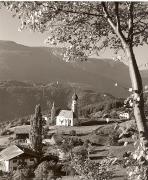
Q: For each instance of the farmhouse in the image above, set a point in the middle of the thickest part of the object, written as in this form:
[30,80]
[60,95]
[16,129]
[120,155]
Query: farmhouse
[124,115]
[67,117]
[12,156]
[22,133]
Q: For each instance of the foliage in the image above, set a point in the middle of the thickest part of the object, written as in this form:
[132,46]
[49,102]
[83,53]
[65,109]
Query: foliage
[90,170]
[44,171]
[103,106]
[113,138]
[36,130]
[72,133]
[84,26]
[137,164]
[22,173]
[47,170]
[68,143]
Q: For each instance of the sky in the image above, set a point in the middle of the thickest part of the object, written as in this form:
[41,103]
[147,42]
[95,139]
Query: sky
[9,31]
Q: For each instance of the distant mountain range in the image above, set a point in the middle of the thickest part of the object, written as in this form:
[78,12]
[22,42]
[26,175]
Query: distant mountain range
[38,75]
[18,99]
[41,64]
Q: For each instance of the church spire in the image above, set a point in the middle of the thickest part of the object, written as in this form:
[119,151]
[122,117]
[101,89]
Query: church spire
[53,113]
[75,97]
[74,106]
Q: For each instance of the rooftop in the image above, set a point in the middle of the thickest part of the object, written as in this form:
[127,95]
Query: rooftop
[66,113]
[14,151]
[24,129]
[10,153]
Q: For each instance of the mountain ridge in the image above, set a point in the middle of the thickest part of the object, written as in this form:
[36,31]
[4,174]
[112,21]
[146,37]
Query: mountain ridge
[42,64]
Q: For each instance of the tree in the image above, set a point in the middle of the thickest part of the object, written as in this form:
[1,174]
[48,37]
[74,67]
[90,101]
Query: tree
[22,173]
[85,28]
[88,169]
[47,170]
[36,130]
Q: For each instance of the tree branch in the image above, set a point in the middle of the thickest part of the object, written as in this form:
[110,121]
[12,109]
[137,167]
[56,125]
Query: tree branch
[140,31]
[114,27]
[117,16]
[58,10]
[130,23]
[108,16]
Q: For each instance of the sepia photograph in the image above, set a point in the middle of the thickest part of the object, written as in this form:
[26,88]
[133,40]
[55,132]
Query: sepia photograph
[73,90]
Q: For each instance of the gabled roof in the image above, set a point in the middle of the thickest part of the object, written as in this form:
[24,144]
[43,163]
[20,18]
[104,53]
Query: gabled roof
[24,129]
[66,113]
[14,151]
[10,152]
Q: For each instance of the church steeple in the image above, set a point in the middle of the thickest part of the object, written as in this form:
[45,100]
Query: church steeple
[53,111]
[75,97]
[74,106]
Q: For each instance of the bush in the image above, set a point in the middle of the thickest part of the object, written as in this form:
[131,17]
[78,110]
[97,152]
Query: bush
[72,133]
[136,164]
[113,138]
[91,170]
[98,139]
[48,170]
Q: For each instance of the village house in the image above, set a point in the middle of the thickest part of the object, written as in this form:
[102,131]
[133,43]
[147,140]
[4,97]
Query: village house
[14,155]
[22,134]
[124,115]
[66,117]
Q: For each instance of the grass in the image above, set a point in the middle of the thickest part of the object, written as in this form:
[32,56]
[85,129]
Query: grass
[80,130]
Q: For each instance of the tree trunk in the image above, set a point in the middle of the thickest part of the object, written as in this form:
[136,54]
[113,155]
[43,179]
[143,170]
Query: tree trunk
[138,101]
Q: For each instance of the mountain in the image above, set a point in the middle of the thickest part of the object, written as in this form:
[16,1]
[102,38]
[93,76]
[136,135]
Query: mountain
[41,64]
[18,99]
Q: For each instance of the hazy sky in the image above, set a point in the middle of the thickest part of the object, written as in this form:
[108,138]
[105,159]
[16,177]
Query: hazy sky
[9,31]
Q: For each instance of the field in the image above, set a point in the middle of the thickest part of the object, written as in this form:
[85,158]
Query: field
[83,130]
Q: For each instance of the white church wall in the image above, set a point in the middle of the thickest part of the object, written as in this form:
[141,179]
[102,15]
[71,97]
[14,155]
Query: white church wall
[62,121]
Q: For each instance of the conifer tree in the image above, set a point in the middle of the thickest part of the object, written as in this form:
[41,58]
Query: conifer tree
[36,130]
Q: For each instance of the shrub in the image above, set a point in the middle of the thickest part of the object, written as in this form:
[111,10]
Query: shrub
[136,163]
[113,138]
[72,133]
[98,139]
[48,170]
[91,170]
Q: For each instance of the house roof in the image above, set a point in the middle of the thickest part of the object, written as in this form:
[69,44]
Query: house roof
[24,129]
[14,151]
[66,113]
[10,153]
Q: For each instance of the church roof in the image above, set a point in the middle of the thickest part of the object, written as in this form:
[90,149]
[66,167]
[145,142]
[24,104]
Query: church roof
[66,113]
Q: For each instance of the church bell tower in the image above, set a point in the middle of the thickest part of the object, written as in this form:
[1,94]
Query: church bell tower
[74,106]
[53,113]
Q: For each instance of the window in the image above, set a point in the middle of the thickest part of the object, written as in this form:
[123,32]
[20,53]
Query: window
[14,160]
[14,168]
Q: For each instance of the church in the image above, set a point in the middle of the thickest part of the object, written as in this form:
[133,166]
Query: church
[66,117]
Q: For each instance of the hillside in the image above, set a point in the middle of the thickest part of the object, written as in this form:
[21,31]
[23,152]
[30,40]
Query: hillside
[18,99]
[39,64]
